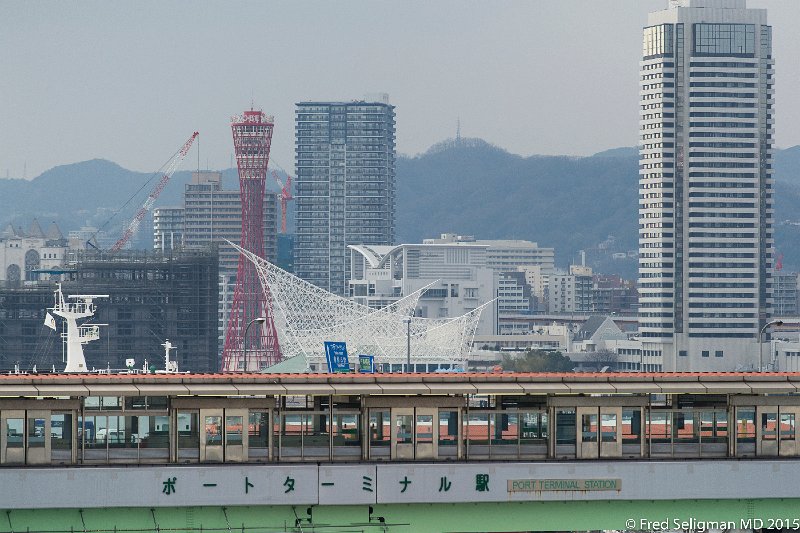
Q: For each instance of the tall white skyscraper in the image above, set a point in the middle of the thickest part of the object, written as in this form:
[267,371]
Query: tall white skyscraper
[705,185]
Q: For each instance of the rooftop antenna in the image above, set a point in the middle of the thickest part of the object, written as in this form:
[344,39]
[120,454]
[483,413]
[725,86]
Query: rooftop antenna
[25,170]
[458,131]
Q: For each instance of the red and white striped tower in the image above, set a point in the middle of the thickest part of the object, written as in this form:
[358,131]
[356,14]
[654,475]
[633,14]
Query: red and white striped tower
[252,136]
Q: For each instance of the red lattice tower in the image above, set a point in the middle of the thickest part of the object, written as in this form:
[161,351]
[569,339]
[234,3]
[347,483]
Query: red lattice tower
[252,136]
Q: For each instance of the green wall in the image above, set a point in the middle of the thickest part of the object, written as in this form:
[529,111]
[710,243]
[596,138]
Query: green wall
[418,518]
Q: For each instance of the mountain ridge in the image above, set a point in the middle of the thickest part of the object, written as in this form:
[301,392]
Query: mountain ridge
[465,186]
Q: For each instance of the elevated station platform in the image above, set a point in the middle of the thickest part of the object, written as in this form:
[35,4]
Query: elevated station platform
[426,452]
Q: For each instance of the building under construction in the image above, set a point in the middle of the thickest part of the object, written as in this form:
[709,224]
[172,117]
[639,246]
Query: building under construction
[152,297]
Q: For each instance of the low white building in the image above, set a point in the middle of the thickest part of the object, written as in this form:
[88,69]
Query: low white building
[504,255]
[456,276]
[554,337]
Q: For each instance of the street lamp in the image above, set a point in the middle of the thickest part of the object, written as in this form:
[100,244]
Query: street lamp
[260,320]
[761,342]
[408,345]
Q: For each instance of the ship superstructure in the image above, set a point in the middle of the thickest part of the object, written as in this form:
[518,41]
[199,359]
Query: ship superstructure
[74,309]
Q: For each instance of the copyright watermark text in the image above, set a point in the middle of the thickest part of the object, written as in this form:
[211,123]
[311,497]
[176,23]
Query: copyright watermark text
[693,524]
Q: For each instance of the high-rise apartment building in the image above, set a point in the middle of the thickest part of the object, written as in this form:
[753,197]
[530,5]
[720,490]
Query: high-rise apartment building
[706,201]
[213,215]
[345,186]
[167,228]
[572,292]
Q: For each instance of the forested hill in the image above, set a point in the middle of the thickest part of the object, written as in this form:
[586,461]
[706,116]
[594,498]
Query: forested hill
[474,188]
[468,187]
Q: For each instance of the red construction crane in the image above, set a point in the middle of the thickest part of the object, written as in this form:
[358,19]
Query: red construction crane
[169,169]
[286,196]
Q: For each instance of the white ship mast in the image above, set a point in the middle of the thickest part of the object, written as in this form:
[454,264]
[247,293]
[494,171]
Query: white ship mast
[170,367]
[76,335]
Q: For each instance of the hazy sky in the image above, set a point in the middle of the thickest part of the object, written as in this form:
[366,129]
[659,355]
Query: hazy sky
[130,81]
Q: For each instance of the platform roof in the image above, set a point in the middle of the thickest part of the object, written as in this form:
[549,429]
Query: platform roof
[503,383]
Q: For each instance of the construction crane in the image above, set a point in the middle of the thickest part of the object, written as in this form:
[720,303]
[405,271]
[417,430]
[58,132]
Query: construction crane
[286,196]
[169,169]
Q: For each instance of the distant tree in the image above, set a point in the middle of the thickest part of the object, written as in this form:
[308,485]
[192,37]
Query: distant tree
[537,361]
[596,361]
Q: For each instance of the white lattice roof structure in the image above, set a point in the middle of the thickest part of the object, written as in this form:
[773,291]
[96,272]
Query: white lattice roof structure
[306,316]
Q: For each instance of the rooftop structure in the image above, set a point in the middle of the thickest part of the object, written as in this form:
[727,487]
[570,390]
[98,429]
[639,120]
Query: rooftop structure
[505,255]
[455,277]
[306,316]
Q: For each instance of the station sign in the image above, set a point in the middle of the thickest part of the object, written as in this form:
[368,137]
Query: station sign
[336,356]
[366,364]
[539,485]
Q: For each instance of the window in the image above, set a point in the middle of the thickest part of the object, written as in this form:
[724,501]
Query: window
[404,429]
[448,428]
[724,40]
[659,427]
[61,437]
[718,353]
[102,403]
[424,428]
[36,432]
[258,429]
[683,353]
[589,428]
[346,429]
[608,427]
[685,426]
[631,426]
[565,426]
[746,424]
[769,426]
[233,430]
[504,428]
[787,426]
[705,353]
[379,429]
[14,432]
[657,41]
[213,430]
[534,427]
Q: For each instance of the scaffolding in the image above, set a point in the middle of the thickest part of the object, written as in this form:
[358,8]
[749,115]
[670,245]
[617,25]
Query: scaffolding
[153,297]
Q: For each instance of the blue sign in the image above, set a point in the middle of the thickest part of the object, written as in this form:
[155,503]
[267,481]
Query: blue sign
[336,356]
[366,364]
